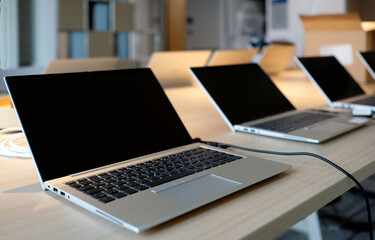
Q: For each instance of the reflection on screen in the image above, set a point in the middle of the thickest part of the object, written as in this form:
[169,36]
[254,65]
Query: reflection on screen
[331,77]
[243,92]
[76,122]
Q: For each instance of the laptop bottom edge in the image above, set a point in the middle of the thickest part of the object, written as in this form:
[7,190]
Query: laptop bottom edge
[260,132]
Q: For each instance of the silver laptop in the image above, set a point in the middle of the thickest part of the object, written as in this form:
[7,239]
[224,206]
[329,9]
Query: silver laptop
[171,67]
[81,65]
[249,102]
[112,143]
[368,59]
[335,83]
[231,57]
[275,57]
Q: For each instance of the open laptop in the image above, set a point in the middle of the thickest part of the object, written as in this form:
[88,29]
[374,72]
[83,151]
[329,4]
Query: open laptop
[231,57]
[171,67]
[112,143]
[275,57]
[81,65]
[368,59]
[249,102]
[335,83]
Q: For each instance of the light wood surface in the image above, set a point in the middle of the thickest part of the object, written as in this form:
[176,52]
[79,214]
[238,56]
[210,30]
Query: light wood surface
[262,211]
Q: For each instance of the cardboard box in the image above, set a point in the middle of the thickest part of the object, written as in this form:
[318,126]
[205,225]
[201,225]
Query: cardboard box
[123,17]
[71,15]
[340,35]
[369,28]
[100,44]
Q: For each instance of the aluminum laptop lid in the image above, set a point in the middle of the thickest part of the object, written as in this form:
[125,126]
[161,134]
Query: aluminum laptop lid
[90,116]
[245,96]
[81,65]
[171,67]
[232,57]
[275,57]
[331,78]
[81,125]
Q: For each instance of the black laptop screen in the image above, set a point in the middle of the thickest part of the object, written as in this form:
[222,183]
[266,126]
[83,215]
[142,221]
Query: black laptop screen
[242,92]
[332,77]
[79,121]
[369,58]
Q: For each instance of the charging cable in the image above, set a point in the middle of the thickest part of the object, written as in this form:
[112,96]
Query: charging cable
[8,145]
[369,218]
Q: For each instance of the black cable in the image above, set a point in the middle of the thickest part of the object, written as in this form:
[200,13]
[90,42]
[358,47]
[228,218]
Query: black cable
[224,145]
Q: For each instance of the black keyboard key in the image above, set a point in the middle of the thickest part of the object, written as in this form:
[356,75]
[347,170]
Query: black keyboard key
[106,199]
[94,190]
[75,185]
[85,188]
[71,182]
[119,195]
[110,191]
[109,180]
[108,186]
[97,184]
[122,187]
[129,191]
[153,178]
[85,182]
[118,183]
[143,181]
[140,187]
[132,184]
[98,195]
[94,179]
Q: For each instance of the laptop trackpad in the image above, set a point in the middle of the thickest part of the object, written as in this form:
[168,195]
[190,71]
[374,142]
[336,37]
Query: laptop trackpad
[330,127]
[197,189]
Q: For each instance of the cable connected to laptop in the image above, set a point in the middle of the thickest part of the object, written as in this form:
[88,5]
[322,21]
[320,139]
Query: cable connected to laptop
[363,192]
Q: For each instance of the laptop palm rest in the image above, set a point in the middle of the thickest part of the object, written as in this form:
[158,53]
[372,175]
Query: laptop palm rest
[196,189]
[330,127]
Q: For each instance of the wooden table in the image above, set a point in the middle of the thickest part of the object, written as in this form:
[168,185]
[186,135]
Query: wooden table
[262,211]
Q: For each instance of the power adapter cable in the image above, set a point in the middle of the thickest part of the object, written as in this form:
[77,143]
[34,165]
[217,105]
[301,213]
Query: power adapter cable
[363,192]
[8,146]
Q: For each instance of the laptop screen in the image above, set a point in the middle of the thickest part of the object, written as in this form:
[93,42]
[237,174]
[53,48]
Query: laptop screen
[332,77]
[79,121]
[242,92]
[369,57]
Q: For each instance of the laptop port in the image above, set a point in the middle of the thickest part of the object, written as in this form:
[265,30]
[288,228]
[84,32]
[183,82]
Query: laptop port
[62,194]
[55,190]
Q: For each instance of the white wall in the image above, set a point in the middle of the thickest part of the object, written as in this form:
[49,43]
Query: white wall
[45,35]
[9,52]
[223,24]
[204,29]
[294,31]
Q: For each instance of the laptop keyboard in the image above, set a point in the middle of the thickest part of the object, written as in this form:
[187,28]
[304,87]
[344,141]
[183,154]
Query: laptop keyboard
[119,183]
[366,101]
[293,122]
